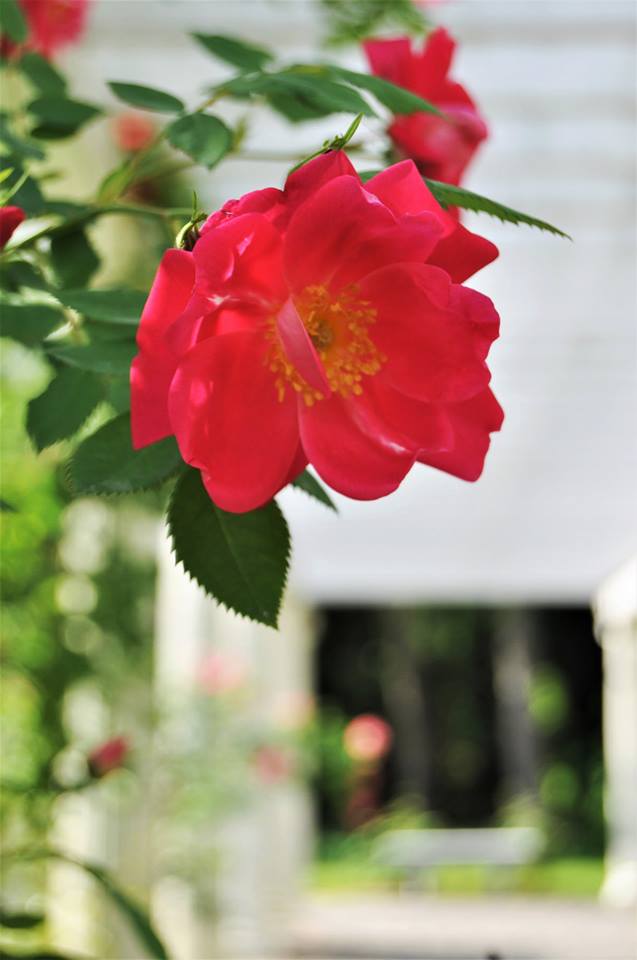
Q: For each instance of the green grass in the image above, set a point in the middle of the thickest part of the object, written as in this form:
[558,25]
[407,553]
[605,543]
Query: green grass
[345,865]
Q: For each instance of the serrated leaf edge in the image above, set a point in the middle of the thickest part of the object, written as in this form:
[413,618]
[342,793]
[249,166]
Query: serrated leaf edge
[222,603]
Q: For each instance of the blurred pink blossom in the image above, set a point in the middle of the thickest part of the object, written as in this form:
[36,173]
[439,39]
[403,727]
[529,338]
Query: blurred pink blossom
[367,738]
[272,764]
[133,131]
[221,672]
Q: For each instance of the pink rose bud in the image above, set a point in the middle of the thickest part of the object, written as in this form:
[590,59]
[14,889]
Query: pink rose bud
[109,756]
[10,219]
[367,738]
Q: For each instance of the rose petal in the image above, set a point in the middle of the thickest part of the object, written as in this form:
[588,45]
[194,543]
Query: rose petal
[342,443]
[229,422]
[343,233]
[472,422]
[154,366]
[430,351]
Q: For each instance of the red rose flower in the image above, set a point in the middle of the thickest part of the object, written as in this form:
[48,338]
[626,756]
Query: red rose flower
[325,323]
[109,756]
[441,148]
[52,24]
[10,220]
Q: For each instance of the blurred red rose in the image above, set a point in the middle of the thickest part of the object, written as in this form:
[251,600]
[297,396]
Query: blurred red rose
[10,220]
[109,756]
[52,24]
[441,148]
[367,738]
[325,323]
[133,131]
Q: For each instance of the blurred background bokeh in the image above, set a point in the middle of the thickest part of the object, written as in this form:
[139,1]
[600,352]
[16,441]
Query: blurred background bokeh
[455,658]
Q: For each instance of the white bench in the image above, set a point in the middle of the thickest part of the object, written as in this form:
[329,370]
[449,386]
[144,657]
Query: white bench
[414,852]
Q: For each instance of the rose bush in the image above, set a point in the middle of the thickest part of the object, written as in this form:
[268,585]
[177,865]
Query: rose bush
[441,147]
[325,323]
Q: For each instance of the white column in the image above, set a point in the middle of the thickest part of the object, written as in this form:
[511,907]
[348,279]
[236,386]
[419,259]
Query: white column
[615,611]
[264,845]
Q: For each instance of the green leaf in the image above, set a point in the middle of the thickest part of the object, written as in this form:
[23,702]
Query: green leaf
[116,182]
[136,915]
[17,145]
[241,559]
[107,463]
[16,274]
[395,98]
[317,93]
[109,358]
[6,507]
[28,195]
[29,323]
[245,56]
[60,411]
[21,921]
[449,195]
[12,22]
[73,258]
[310,485]
[203,137]
[146,98]
[42,75]
[58,117]
[112,306]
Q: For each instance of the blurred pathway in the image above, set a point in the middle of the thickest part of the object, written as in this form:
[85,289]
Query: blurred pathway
[419,927]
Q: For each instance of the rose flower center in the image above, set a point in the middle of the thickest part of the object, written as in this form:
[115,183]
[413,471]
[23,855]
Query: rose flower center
[339,330]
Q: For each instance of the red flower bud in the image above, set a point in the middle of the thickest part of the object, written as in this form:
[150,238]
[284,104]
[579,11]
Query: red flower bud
[109,756]
[10,219]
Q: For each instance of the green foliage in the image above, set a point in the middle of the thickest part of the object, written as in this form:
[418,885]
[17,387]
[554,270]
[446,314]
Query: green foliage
[20,921]
[21,147]
[112,358]
[310,485]
[60,411]
[12,22]
[42,75]
[73,258]
[395,98]
[245,56]
[111,306]
[58,117]
[351,22]
[146,98]
[107,463]
[205,138]
[29,323]
[241,559]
